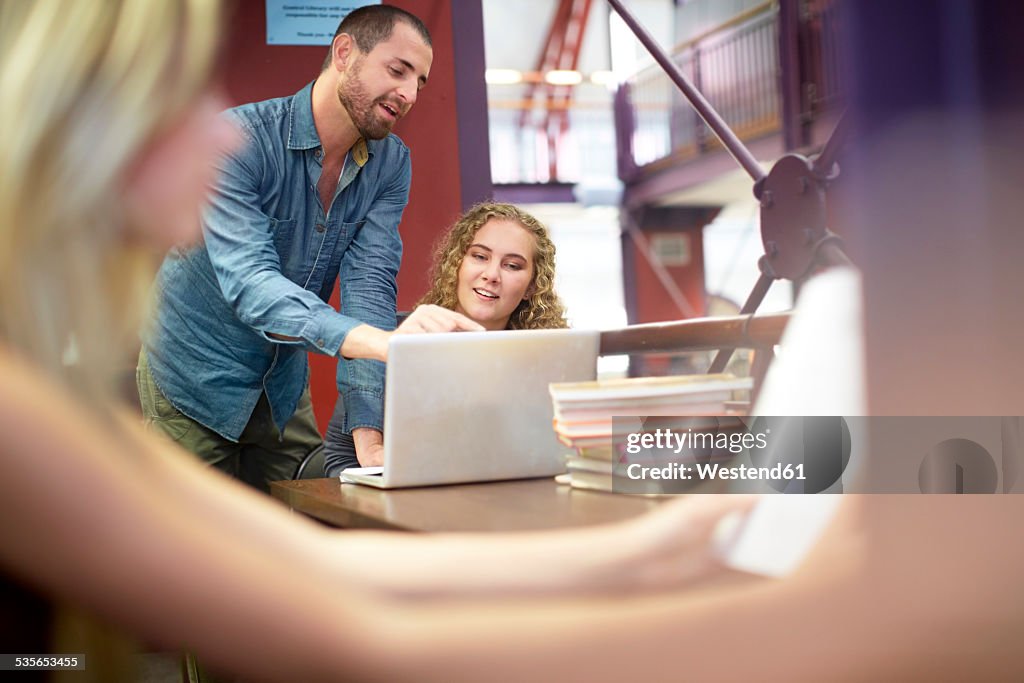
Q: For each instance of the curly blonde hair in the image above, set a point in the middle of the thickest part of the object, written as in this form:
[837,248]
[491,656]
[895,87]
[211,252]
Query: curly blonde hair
[542,309]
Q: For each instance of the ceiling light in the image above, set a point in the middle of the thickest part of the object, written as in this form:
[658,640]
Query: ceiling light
[503,76]
[563,77]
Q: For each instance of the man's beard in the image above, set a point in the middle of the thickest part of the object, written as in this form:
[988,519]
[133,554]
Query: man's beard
[363,111]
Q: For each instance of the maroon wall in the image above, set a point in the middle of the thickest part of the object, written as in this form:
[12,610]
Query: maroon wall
[257,71]
[646,298]
[653,303]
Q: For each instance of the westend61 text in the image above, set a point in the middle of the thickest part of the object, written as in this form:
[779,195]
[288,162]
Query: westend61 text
[705,471]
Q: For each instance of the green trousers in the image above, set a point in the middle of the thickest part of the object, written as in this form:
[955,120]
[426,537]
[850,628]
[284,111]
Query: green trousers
[261,454]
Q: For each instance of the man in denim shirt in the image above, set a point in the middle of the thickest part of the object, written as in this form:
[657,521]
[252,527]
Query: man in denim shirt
[317,190]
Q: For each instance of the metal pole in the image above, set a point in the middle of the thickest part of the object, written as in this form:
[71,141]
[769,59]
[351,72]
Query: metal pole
[753,301]
[703,107]
[823,162]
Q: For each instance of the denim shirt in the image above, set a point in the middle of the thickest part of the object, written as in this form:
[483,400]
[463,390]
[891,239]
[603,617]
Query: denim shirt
[267,265]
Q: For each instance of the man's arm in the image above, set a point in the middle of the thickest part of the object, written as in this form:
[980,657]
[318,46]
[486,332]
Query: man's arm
[239,239]
[369,342]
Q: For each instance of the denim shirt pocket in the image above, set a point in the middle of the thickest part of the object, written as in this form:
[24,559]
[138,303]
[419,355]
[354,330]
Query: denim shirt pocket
[349,230]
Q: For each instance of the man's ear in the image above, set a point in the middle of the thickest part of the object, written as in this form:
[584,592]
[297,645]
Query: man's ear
[343,51]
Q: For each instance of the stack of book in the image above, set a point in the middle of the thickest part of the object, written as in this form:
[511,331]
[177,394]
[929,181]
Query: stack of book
[584,412]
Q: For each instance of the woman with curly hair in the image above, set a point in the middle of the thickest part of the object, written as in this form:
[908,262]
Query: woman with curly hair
[496,266]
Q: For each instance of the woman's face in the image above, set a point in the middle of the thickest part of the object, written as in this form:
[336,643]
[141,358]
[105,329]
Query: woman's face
[496,273]
[171,178]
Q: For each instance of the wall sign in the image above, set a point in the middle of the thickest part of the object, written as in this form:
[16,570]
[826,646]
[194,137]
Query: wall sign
[307,22]
[671,248]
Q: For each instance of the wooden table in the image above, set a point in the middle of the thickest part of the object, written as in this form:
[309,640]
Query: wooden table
[496,506]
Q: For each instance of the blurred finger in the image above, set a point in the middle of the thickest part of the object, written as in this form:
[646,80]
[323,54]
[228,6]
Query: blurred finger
[431,318]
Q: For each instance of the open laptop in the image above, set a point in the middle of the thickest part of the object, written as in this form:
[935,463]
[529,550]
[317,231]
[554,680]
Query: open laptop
[474,406]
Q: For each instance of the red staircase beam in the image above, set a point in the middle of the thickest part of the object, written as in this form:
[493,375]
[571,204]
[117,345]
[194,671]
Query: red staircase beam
[556,119]
[549,53]
[561,51]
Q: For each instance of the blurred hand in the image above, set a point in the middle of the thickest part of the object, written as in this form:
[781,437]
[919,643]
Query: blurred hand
[672,544]
[431,318]
[365,341]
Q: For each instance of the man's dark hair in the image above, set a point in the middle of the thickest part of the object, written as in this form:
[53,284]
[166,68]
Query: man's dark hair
[371,24]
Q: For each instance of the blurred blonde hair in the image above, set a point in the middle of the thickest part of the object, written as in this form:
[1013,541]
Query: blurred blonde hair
[542,309]
[85,85]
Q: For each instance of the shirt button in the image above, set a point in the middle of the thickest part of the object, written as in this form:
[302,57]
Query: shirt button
[320,343]
[320,227]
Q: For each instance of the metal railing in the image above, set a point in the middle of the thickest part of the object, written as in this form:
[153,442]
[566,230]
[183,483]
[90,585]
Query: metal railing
[521,154]
[735,66]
